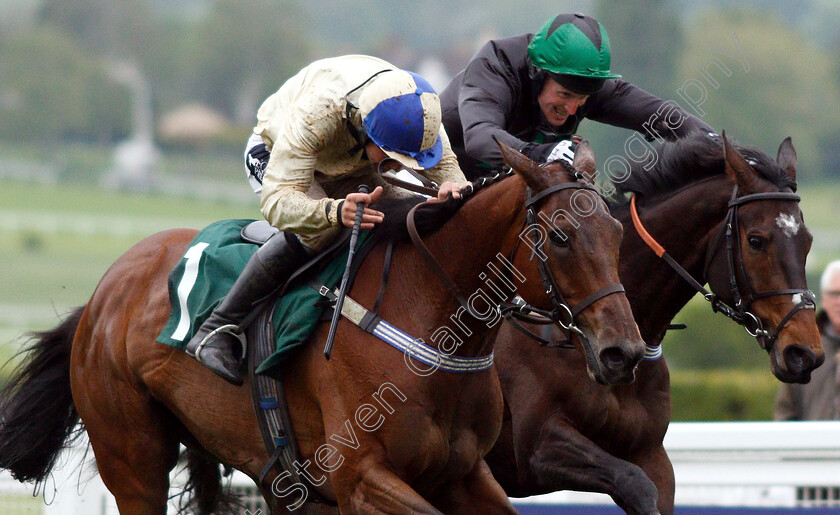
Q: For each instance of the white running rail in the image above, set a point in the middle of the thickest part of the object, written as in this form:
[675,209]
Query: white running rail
[735,464]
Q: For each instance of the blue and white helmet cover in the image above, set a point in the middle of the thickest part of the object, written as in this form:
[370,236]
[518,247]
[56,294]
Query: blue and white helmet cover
[401,113]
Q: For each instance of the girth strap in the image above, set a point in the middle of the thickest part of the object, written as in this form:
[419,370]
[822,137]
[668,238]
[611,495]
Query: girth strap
[413,348]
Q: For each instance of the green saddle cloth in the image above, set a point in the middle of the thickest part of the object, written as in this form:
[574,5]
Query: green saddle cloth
[210,266]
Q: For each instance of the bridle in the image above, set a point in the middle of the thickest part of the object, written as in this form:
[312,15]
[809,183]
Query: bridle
[562,312]
[740,312]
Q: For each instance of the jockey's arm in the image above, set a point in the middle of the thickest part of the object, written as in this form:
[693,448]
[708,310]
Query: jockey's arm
[285,205]
[484,105]
[290,174]
[624,105]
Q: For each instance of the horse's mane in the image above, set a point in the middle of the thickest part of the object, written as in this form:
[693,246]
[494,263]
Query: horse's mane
[427,219]
[691,159]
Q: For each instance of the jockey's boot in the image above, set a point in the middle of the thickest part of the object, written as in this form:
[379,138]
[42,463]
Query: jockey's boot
[219,343]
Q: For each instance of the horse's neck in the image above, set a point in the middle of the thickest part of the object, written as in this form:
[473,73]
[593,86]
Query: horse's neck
[684,225]
[469,249]
[482,228]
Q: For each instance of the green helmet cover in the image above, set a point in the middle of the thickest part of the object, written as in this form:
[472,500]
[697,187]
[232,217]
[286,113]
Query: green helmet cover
[573,45]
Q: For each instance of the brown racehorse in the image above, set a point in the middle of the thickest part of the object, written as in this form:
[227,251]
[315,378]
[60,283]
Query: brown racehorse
[564,433]
[376,436]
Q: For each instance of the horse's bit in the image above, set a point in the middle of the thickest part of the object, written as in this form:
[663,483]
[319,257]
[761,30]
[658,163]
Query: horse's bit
[740,313]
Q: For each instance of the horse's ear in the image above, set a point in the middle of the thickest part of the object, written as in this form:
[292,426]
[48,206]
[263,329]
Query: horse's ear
[737,168]
[584,163]
[787,157]
[533,174]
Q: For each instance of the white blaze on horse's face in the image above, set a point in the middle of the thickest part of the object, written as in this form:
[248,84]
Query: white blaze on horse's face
[787,224]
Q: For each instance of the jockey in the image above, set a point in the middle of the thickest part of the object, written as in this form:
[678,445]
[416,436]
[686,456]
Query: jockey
[330,128]
[532,91]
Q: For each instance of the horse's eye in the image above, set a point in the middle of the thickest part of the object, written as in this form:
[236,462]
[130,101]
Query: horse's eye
[757,242]
[558,239]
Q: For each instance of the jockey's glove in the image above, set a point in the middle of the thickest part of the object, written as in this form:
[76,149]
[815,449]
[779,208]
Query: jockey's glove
[256,159]
[548,152]
[565,150]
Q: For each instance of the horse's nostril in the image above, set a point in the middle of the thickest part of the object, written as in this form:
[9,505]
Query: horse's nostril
[614,358]
[799,359]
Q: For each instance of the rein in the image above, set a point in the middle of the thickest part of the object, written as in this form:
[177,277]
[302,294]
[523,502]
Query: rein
[428,187]
[562,313]
[740,313]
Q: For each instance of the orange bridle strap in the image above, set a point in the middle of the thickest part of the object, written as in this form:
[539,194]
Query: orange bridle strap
[634,214]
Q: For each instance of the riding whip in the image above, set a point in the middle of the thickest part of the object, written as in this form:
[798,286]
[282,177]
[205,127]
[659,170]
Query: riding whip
[342,291]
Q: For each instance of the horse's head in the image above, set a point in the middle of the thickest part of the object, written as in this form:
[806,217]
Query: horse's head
[759,266]
[569,248]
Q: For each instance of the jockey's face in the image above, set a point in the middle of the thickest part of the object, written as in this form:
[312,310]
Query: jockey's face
[375,155]
[557,102]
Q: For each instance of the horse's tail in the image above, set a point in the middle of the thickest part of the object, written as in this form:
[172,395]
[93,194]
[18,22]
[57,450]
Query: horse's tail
[204,491]
[37,415]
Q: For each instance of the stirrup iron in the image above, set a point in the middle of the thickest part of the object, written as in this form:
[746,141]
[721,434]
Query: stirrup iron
[227,328]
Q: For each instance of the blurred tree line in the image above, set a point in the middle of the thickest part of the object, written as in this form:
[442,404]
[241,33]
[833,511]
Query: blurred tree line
[57,71]
[57,64]
[678,49]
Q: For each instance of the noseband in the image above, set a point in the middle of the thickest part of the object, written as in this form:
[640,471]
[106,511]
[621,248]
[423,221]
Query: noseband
[740,313]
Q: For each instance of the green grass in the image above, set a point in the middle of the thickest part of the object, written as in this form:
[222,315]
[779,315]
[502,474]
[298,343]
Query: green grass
[722,395]
[64,238]
[819,205]
[55,268]
[56,242]
[28,197]
[21,504]
[82,163]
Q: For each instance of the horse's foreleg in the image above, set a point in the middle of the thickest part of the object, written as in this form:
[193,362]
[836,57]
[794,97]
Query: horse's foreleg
[378,490]
[658,467]
[478,492]
[566,460]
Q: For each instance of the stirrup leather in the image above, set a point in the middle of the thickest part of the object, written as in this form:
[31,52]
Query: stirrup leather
[227,328]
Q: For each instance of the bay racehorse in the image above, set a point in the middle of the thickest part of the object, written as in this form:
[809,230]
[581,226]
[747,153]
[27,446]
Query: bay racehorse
[561,432]
[374,435]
